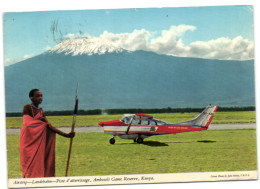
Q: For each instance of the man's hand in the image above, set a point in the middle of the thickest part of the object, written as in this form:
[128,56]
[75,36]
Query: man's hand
[43,119]
[70,135]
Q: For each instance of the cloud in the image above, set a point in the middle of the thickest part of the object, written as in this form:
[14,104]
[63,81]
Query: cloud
[223,48]
[137,40]
[74,36]
[70,36]
[169,42]
[10,61]
[47,48]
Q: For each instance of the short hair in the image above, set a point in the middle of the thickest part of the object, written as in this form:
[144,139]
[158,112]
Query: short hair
[31,93]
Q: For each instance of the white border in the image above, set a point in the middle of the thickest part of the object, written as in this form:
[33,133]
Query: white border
[32,5]
[133,179]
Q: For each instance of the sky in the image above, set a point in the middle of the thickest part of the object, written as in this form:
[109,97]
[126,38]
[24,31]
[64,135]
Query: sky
[216,32]
[24,48]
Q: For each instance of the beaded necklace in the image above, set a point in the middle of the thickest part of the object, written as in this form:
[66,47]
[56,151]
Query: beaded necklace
[32,106]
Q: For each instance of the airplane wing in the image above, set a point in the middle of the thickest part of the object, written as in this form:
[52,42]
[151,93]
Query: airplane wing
[139,116]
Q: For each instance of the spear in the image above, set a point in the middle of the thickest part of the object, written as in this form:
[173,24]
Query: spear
[72,128]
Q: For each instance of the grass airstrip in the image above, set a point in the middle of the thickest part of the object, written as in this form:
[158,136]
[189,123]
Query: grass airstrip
[206,151]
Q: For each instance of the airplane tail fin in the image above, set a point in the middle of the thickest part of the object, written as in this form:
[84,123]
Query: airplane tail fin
[203,119]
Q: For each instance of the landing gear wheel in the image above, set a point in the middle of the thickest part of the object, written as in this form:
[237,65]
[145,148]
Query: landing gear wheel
[135,140]
[112,141]
[139,140]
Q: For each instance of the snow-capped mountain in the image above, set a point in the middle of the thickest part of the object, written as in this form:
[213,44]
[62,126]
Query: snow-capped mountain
[88,46]
[114,78]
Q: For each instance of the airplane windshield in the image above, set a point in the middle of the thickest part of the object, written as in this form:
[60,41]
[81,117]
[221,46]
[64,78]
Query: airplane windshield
[125,120]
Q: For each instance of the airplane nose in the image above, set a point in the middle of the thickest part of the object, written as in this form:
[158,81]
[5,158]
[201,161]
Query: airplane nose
[101,124]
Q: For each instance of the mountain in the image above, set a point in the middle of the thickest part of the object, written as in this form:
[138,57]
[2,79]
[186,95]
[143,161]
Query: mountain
[87,46]
[111,77]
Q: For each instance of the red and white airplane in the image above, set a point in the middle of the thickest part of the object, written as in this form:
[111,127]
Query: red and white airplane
[140,126]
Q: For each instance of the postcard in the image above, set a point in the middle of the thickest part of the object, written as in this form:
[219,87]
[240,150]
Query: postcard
[125,96]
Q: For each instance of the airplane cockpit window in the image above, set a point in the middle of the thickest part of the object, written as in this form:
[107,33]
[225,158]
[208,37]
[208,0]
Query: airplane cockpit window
[145,122]
[136,122]
[152,122]
[125,120]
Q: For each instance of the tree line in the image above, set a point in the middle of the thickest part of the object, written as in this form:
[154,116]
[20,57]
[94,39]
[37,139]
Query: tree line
[133,110]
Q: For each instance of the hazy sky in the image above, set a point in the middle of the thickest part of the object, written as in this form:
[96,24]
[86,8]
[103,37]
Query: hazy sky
[24,48]
[219,32]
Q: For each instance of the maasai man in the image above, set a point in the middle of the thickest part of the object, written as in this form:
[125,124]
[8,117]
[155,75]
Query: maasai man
[37,140]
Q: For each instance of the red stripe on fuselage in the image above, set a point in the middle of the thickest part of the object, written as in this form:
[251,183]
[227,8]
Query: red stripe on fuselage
[161,129]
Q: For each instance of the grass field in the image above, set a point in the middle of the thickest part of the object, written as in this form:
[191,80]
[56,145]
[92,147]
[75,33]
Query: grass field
[86,120]
[212,150]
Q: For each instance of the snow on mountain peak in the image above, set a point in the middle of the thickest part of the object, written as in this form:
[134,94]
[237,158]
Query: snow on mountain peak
[87,46]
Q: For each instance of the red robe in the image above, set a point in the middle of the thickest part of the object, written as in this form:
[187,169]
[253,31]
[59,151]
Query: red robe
[37,148]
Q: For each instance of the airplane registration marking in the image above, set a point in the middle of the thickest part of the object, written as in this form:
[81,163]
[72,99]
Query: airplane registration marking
[178,127]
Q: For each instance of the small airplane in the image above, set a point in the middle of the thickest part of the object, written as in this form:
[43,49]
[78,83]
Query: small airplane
[140,126]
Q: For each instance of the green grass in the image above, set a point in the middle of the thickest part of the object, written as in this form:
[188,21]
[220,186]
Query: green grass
[212,150]
[87,120]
